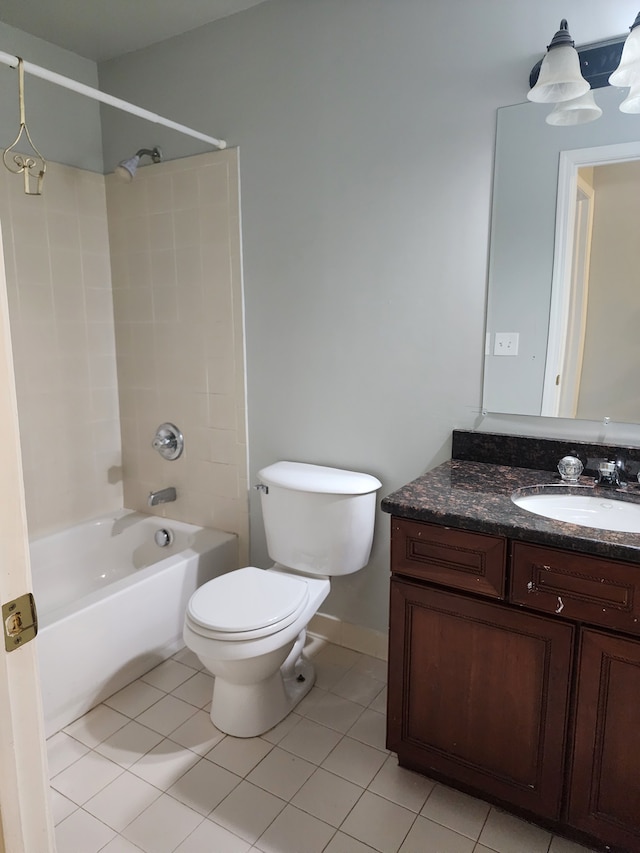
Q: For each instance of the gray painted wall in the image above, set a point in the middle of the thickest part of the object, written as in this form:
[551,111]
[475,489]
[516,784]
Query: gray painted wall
[64,126]
[366,134]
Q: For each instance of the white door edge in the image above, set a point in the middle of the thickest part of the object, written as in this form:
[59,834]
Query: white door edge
[27,826]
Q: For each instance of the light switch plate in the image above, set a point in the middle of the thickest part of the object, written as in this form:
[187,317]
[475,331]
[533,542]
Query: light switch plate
[506,343]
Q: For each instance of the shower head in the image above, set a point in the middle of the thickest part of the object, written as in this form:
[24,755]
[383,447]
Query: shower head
[126,169]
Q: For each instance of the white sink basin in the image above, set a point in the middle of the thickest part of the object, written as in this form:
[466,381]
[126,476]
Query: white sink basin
[598,511]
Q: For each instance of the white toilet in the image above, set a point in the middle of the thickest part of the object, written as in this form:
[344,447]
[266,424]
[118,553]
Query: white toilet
[248,627]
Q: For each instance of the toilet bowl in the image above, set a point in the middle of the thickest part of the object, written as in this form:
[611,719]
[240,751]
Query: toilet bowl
[248,627]
[260,674]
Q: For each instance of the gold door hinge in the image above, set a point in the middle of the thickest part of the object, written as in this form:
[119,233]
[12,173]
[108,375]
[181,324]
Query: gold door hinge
[20,621]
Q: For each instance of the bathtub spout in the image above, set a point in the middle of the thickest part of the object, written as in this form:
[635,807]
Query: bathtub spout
[162,497]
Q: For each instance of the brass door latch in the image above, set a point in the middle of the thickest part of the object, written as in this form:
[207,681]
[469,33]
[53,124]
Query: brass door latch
[20,621]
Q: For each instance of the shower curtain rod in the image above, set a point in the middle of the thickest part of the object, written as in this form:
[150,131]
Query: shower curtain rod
[97,95]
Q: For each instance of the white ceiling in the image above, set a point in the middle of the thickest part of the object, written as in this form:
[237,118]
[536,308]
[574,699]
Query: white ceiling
[102,29]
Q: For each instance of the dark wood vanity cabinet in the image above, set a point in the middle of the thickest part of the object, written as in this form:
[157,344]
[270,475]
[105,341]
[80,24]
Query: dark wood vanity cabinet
[505,689]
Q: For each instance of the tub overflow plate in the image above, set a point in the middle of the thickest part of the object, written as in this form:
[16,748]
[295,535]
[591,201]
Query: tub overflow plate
[163,537]
[20,621]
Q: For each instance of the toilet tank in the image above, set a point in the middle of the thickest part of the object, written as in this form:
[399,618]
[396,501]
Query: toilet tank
[318,520]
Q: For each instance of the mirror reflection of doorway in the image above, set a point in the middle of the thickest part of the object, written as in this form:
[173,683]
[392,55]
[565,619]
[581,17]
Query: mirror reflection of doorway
[609,382]
[594,345]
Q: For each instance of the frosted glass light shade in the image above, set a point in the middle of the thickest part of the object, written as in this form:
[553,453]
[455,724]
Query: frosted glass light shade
[576,111]
[628,71]
[560,78]
[631,103]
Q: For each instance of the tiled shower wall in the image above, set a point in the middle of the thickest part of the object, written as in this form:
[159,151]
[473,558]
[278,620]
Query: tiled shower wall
[175,256]
[175,288]
[56,252]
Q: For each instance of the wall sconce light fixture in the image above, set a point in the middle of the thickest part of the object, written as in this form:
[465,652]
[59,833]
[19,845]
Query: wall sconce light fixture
[576,111]
[628,71]
[566,76]
[559,78]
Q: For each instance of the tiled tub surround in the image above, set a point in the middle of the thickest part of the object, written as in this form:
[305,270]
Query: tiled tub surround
[514,637]
[56,255]
[126,311]
[177,294]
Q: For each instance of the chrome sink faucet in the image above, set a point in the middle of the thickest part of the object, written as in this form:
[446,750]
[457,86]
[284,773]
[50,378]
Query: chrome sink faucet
[609,473]
[162,497]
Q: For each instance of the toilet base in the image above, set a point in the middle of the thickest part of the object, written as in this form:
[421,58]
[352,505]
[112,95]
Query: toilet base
[249,710]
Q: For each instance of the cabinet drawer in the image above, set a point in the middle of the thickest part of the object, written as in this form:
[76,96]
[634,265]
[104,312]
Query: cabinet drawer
[456,558]
[588,589]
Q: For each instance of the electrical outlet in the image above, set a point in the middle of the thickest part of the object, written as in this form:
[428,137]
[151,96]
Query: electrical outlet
[506,343]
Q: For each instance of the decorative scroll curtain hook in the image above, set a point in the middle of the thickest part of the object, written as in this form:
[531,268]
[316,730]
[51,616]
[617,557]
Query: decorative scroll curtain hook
[32,168]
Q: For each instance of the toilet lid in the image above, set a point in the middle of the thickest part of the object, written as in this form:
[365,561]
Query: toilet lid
[247,599]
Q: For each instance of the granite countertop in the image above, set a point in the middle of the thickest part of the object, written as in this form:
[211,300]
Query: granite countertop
[477,496]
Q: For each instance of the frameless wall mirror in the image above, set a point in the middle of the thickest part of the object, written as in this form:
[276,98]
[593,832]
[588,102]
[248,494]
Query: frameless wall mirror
[563,313]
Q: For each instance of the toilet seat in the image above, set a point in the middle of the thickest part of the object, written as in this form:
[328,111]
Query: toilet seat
[246,604]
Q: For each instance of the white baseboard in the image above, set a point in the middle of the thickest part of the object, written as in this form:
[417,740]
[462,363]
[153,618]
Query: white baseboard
[356,637]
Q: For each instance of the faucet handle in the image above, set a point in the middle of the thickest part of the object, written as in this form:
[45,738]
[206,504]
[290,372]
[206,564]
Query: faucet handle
[168,441]
[159,443]
[570,468]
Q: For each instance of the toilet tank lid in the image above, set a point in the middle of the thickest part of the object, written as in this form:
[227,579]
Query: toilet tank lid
[304,477]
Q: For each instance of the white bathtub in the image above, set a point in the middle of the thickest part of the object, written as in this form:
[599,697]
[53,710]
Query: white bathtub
[111,603]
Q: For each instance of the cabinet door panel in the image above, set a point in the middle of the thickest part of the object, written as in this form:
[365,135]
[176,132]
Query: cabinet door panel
[605,779]
[478,693]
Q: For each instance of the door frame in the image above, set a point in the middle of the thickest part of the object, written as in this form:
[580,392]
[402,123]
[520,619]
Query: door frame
[570,370]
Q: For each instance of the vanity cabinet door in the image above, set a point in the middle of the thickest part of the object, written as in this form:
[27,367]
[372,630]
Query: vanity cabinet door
[604,797]
[478,695]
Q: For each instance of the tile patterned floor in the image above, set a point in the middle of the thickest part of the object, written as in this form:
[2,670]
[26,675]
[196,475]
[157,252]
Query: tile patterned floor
[147,771]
